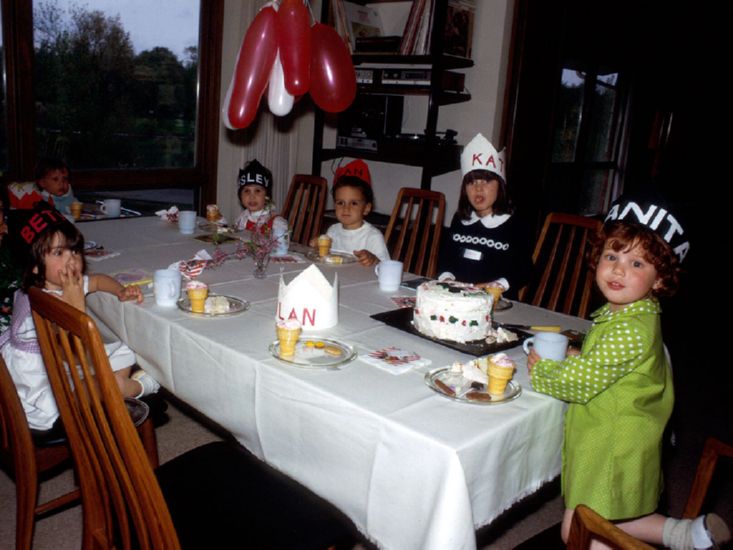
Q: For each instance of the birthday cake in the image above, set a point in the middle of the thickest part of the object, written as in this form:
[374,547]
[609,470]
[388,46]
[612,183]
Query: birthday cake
[455,311]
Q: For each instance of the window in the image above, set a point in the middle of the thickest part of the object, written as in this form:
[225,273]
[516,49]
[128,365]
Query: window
[126,91]
[585,147]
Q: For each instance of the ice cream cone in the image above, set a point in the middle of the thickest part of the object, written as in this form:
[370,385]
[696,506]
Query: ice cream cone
[324,245]
[197,293]
[501,370]
[288,333]
[495,291]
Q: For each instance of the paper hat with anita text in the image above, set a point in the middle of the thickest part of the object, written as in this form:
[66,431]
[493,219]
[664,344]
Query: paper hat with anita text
[651,210]
[310,299]
[479,154]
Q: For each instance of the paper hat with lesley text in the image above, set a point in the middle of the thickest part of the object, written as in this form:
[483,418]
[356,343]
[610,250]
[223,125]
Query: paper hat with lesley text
[479,154]
[310,299]
[652,212]
[356,168]
[254,173]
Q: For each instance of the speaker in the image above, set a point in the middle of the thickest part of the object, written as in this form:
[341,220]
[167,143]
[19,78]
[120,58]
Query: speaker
[372,116]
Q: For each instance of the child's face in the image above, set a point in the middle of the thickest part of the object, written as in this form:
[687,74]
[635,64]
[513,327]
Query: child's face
[625,276]
[253,197]
[482,196]
[56,182]
[351,206]
[60,259]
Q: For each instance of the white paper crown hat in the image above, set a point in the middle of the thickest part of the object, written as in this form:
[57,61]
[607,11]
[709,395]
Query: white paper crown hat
[310,299]
[479,154]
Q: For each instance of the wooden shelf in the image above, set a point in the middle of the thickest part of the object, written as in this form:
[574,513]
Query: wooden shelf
[429,154]
[443,97]
[445,158]
[444,61]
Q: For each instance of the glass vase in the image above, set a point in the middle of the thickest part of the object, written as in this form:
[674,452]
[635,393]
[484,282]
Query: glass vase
[261,262]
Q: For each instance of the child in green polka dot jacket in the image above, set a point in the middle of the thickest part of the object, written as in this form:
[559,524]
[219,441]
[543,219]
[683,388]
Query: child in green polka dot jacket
[619,386]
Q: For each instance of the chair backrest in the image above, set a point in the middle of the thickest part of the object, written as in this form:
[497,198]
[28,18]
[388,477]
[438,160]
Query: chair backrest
[587,525]
[561,280]
[121,500]
[21,458]
[712,451]
[304,206]
[413,233]
[16,445]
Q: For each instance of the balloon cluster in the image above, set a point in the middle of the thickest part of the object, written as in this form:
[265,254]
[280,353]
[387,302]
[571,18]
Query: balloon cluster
[282,49]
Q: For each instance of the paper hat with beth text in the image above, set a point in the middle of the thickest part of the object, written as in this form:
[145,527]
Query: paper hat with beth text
[310,299]
[479,154]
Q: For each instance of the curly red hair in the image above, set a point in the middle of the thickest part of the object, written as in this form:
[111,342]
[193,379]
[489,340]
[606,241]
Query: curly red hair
[624,236]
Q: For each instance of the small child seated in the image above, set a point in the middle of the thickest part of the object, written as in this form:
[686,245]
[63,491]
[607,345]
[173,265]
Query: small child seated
[353,199]
[51,185]
[55,262]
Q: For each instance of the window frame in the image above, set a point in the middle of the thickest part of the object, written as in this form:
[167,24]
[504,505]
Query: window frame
[17,23]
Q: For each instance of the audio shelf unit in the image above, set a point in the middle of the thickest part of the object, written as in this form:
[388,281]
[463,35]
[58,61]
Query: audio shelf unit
[433,157]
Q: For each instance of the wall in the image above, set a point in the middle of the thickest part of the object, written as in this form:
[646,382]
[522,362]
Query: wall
[285,144]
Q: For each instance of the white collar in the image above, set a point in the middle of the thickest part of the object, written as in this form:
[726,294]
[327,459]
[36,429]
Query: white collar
[489,221]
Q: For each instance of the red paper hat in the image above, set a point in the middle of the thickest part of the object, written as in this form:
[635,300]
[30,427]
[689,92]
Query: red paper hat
[357,168]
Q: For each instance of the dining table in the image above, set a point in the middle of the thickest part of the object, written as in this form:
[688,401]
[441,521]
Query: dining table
[413,469]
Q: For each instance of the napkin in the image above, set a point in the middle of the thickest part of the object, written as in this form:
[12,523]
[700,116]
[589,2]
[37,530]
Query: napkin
[395,360]
[170,215]
[192,268]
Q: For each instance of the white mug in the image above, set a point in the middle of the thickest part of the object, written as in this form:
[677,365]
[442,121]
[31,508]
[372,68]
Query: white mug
[111,207]
[548,345]
[390,275]
[186,221]
[167,287]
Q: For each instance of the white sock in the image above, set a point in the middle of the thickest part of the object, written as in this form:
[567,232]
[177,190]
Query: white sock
[148,383]
[695,534]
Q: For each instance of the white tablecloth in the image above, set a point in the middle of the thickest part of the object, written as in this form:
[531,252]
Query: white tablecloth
[410,468]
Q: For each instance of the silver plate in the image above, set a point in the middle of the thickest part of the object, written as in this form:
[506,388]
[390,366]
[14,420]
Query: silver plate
[503,304]
[443,374]
[345,258]
[312,357]
[236,306]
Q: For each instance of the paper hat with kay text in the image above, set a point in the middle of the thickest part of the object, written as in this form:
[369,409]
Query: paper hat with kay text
[310,299]
[479,154]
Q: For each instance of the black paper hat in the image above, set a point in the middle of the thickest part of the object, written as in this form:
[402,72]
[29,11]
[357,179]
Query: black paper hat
[254,173]
[652,211]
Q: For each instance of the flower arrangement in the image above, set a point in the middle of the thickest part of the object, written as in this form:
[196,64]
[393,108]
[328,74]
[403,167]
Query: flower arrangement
[259,247]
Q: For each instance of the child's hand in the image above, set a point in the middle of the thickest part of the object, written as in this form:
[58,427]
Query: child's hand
[366,258]
[129,293]
[532,358]
[72,287]
[313,243]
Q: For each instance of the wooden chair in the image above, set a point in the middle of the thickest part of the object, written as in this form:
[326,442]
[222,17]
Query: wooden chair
[413,232]
[588,525]
[711,452]
[304,206]
[26,462]
[212,496]
[561,280]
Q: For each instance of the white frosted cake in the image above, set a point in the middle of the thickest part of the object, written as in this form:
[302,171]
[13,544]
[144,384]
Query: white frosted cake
[455,311]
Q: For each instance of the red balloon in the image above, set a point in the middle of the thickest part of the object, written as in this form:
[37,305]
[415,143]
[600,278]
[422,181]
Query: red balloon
[294,38]
[333,79]
[252,70]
